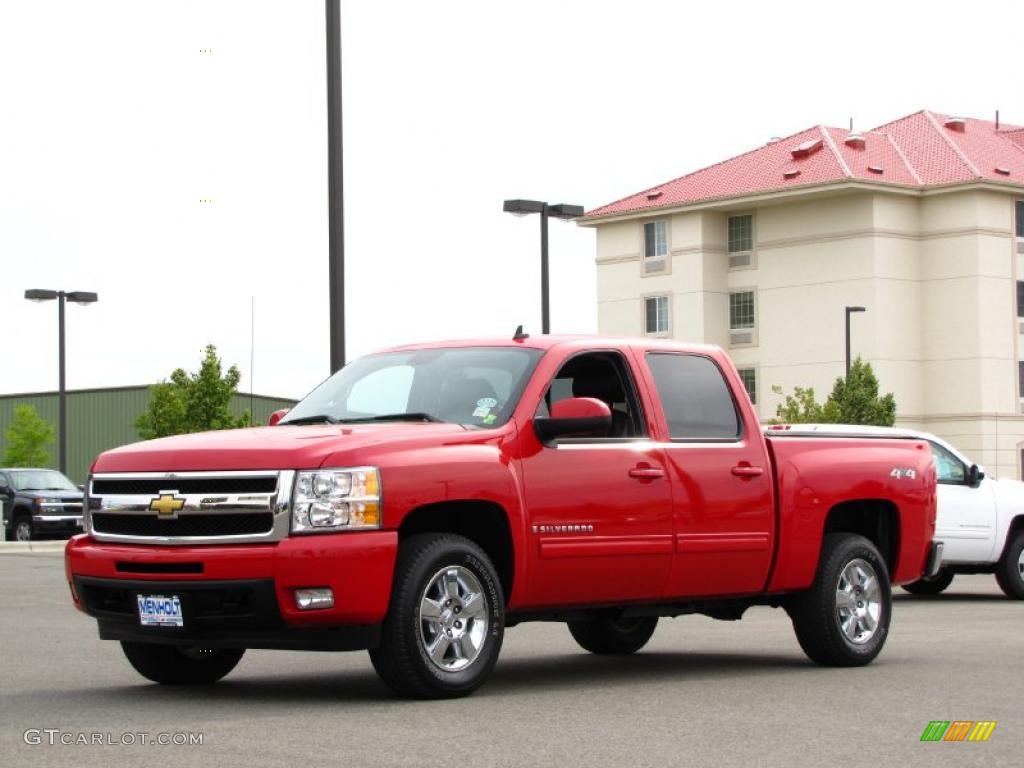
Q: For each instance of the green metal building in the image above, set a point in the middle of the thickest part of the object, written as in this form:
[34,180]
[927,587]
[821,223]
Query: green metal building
[101,419]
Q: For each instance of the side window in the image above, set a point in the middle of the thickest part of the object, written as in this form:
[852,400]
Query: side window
[604,376]
[695,396]
[950,469]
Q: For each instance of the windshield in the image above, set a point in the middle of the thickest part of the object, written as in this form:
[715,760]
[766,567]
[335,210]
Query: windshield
[40,480]
[477,386]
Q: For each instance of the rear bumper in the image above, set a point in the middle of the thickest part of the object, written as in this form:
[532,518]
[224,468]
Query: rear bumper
[240,595]
[934,562]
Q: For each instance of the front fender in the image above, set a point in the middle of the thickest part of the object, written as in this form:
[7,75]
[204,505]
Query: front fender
[482,470]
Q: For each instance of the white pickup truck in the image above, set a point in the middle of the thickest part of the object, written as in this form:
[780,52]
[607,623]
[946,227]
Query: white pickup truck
[980,519]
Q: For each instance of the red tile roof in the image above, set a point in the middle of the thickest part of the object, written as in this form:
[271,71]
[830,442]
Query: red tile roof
[919,150]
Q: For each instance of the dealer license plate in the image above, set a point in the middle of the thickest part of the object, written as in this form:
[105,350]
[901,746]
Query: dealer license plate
[160,611]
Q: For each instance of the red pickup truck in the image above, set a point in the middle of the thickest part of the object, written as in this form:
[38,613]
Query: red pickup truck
[425,498]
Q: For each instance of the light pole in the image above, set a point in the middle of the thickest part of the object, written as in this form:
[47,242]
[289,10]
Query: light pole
[559,211]
[78,297]
[335,189]
[850,311]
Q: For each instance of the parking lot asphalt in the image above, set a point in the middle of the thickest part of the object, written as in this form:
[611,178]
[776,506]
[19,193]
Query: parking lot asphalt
[701,693]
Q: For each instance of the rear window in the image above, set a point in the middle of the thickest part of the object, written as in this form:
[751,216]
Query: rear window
[697,401]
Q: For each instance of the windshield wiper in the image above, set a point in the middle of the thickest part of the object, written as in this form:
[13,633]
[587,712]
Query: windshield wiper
[417,416]
[320,418]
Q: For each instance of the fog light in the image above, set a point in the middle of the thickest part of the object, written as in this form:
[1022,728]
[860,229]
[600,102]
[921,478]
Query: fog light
[312,599]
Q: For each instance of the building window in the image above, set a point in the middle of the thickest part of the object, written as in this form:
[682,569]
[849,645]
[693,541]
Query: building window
[1020,219]
[655,239]
[656,313]
[1020,378]
[741,310]
[741,233]
[1020,298]
[749,378]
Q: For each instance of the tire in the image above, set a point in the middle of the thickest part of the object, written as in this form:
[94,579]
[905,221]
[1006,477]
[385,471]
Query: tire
[22,530]
[444,629]
[932,586]
[612,635]
[1010,568]
[848,632]
[177,665]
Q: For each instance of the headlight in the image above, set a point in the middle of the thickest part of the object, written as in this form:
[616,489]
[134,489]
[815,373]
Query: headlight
[336,500]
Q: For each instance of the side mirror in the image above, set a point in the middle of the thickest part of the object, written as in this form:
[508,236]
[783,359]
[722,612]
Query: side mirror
[4,490]
[578,416]
[276,416]
[975,475]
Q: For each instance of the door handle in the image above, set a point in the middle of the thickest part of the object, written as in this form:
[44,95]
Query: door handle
[746,471]
[646,472]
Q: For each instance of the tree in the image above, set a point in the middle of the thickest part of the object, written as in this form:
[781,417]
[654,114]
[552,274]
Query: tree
[799,407]
[27,438]
[854,400]
[193,402]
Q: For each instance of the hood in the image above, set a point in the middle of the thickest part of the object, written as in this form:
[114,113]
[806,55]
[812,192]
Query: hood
[279,447]
[1009,493]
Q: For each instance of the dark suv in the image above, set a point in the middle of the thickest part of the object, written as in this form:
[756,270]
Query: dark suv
[39,502]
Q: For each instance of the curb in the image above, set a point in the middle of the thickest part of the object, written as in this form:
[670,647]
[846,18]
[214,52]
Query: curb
[30,547]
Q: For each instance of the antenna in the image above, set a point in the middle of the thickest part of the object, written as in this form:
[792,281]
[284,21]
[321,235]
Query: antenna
[252,356]
[851,125]
[997,119]
[519,335]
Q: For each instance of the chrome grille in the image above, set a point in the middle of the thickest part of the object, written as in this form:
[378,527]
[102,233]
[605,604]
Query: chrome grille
[183,484]
[187,525]
[189,507]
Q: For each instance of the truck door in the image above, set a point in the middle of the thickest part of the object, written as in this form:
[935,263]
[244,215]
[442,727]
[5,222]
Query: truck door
[966,516]
[721,479]
[599,508]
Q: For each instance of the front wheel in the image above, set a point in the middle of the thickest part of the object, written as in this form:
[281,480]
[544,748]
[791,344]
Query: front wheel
[932,586]
[613,635]
[443,632]
[1010,568]
[181,665]
[22,530]
[843,619]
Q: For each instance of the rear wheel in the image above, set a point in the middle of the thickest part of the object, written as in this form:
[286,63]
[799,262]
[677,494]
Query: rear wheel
[843,619]
[1010,568]
[443,632]
[932,586]
[608,634]
[181,665]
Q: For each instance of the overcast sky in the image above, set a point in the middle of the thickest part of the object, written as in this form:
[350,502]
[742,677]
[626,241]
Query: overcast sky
[117,119]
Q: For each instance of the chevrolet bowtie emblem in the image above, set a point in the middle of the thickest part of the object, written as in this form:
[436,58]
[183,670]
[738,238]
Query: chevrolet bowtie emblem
[166,505]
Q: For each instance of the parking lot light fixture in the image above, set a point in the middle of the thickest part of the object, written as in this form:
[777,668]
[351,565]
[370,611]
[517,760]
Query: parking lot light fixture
[850,311]
[564,211]
[78,297]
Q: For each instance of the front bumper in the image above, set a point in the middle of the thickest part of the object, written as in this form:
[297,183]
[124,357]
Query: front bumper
[240,595]
[66,525]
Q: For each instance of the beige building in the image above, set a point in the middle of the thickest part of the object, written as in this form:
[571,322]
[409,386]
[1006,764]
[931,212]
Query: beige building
[920,221]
